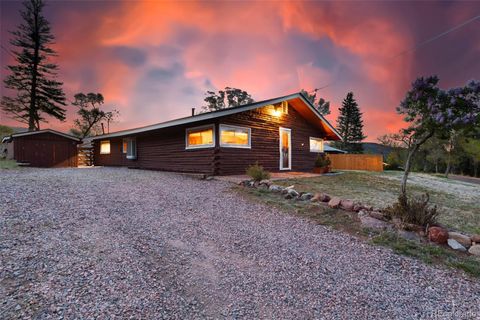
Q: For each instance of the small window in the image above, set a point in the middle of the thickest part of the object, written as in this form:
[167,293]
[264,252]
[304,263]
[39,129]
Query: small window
[316,145]
[105,147]
[235,137]
[200,137]
[124,145]
[131,149]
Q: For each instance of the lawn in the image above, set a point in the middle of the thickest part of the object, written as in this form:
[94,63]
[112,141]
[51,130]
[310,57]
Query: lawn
[458,201]
[8,164]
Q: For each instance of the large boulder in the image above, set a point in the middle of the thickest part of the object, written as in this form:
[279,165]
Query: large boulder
[372,223]
[455,245]
[320,197]
[438,235]
[334,202]
[347,205]
[460,238]
[475,250]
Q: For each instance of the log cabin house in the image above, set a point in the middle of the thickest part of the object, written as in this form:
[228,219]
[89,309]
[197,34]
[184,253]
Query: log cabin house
[284,133]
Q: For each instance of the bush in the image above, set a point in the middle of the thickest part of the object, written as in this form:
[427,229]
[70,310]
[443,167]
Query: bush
[415,210]
[257,173]
[322,161]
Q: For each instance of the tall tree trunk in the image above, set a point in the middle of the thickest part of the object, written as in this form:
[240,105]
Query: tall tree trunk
[447,171]
[33,112]
[408,165]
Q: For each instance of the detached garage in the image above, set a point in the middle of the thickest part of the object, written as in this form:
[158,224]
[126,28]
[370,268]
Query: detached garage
[43,148]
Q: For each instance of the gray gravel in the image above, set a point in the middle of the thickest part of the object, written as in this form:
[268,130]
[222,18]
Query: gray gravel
[106,242]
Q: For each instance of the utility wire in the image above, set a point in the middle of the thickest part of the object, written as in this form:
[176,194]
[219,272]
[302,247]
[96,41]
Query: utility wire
[421,44]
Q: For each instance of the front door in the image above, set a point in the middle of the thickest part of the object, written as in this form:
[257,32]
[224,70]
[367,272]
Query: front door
[285,149]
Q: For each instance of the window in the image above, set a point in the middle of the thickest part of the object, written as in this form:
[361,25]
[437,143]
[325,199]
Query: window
[131,148]
[200,137]
[124,145]
[316,145]
[234,137]
[105,147]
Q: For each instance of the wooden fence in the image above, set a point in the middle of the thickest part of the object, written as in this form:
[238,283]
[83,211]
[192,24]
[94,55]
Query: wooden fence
[367,162]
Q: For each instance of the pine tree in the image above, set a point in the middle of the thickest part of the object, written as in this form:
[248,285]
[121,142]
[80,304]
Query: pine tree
[321,105]
[33,78]
[350,125]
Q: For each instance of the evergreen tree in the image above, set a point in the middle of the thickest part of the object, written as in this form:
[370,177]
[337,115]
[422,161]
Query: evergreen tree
[350,125]
[321,104]
[33,77]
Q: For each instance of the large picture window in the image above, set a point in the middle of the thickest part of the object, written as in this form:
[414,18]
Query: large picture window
[316,144]
[235,137]
[105,147]
[200,137]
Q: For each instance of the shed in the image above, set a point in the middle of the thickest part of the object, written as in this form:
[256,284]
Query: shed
[44,148]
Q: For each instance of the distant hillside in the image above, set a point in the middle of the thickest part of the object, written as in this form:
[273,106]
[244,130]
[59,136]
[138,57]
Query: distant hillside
[376,148]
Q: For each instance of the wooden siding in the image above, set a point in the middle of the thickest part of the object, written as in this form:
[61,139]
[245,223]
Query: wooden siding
[164,149]
[45,150]
[366,162]
[265,141]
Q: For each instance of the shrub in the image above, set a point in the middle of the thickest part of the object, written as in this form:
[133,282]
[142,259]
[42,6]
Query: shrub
[322,161]
[257,173]
[415,210]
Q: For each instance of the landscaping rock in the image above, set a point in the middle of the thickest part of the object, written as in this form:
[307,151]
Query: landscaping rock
[475,250]
[306,196]
[377,215]
[347,205]
[321,197]
[357,207]
[460,238]
[291,193]
[475,238]
[268,183]
[290,187]
[244,183]
[362,213]
[455,245]
[275,188]
[369,222]
[368,208]
[437,235]
[334,202]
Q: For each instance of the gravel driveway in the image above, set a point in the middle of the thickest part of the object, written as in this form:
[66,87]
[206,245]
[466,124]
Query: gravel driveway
[106,242]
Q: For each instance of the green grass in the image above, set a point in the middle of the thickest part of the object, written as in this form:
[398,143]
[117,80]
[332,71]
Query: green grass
[429,253]
[459,209]
[8,164]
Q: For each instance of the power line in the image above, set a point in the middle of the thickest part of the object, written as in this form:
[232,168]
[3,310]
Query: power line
[421,44]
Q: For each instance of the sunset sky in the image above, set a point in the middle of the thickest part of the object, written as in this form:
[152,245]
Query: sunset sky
[153,61]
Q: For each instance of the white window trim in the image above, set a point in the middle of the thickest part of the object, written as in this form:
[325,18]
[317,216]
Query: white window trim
[310,146]
[131,157]
[110,149]
[280,129]
[201,146]
[231,145]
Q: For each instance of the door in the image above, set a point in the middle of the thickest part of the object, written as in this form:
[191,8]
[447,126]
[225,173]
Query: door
[285,149]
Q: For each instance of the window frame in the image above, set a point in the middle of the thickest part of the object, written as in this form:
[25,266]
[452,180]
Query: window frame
[231,145]
[109,146]
[310,145]
[129,141]
[201,146]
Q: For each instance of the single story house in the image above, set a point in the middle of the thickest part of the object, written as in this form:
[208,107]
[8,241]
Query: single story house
[284,133]
[43,148]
